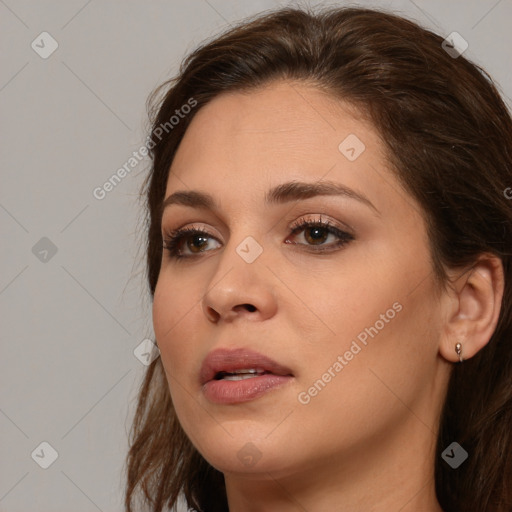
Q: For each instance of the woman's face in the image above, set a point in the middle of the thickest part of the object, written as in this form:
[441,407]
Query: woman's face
[349,312]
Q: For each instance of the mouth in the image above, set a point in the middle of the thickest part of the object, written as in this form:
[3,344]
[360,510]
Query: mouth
[240,375]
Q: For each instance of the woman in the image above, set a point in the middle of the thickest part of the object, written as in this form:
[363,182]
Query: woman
[329,258]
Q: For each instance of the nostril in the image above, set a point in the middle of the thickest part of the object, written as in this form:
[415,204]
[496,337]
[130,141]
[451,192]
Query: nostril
[212,314]
[250,307]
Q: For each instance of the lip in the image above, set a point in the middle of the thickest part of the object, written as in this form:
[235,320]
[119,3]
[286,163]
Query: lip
[230,360]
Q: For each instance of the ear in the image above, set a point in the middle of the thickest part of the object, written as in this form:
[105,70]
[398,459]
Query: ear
[474,308]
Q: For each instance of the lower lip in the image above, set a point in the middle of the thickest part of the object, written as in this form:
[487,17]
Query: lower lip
[238,391]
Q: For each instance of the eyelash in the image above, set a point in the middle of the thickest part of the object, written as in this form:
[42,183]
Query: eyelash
[173,239]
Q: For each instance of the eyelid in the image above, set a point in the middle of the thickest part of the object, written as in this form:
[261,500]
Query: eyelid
[323,219]
[188,229]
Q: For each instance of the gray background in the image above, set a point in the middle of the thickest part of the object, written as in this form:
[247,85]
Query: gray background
[71,321]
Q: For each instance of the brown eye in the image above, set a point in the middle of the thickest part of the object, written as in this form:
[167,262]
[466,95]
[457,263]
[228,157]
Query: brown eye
[200,240]
[195,241]
[318,232]
[317,235]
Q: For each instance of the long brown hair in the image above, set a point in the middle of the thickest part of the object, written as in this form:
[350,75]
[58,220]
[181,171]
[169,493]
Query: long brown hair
[448,136]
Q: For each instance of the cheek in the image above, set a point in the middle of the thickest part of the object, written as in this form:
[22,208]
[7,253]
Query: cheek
[171,312]
[163,316]
[174,319]
[336,304]
[379,330]
[162,324]
[170,325]
[179,325]
[379,383]
[173,302]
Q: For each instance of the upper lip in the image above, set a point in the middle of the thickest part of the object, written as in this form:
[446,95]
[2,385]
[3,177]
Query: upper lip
[230,360]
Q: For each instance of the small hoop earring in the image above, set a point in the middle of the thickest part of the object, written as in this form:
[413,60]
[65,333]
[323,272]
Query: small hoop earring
[458,349]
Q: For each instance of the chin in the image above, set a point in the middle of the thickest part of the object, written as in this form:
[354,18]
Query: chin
[248,460]
[249,449]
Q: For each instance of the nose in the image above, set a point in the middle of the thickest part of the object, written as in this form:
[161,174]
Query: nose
[239,290]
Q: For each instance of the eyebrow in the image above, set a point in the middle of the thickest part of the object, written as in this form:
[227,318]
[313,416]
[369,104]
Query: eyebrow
[283,193]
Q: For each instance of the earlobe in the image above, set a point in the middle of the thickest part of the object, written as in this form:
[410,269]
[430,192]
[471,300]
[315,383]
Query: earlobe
[476,299]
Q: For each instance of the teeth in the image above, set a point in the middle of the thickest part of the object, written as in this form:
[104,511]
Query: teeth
[240,374]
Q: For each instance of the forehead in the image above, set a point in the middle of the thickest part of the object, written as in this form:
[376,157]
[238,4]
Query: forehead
[243,143]
[279,117]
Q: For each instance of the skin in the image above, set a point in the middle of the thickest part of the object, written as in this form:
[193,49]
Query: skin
[366,441]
